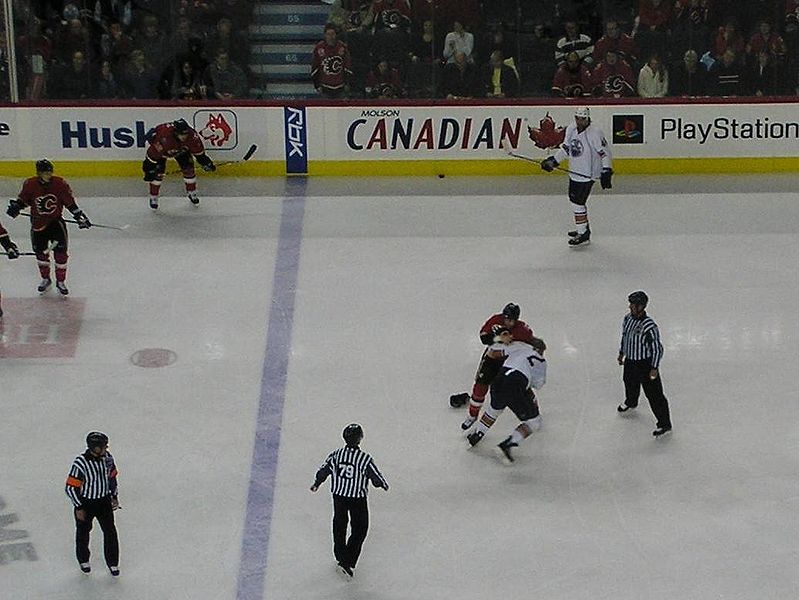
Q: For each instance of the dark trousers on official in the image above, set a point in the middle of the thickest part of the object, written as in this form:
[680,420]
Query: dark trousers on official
[636,376]
[102,511]
[346,511]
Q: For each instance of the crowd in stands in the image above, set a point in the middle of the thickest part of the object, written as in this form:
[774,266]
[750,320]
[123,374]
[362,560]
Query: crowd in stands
[572,48]
[199,49]
[131,49]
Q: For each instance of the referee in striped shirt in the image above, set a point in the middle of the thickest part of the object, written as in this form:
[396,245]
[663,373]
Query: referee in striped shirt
[640,353]
[92,488]
[351,469]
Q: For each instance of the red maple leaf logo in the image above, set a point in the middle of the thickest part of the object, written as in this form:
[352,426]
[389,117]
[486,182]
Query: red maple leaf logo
[217,130]
[546,135]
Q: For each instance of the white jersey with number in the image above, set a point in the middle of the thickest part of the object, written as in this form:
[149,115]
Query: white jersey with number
[588,152]
[521,357]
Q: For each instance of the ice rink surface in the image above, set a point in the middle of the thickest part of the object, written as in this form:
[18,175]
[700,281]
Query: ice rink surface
[294,309]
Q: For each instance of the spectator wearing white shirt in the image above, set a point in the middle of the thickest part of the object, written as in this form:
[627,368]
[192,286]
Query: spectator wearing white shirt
[653,79]
[458,40]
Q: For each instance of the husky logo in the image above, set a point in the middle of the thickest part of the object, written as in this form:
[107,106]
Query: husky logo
[217,128]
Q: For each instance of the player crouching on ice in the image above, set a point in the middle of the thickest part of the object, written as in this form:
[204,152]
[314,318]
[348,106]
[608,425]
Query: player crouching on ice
[179,141]
[523,371]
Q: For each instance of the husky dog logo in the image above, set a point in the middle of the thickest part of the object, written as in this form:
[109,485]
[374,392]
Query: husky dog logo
[217,130]
[546,135]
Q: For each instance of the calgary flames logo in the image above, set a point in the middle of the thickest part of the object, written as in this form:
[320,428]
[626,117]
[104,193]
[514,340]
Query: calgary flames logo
[217,130]
[546,135]
[333,65]
[46,205]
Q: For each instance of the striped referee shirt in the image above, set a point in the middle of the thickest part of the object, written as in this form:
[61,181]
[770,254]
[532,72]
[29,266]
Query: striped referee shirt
[91,478]
[351,469]
[640,340]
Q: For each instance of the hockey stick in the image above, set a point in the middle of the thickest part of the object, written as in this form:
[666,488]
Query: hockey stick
[538,162]
[247,155]
[21,254]
[123,228]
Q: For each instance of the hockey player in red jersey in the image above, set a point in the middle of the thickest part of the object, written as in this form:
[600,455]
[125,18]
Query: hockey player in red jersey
[489,367]
[331,67]
[47,195]
[11,251]
[175,140]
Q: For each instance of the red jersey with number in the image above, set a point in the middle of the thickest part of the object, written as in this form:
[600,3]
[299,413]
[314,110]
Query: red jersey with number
[165,143]
[521,331]
[46,200]
[331,65]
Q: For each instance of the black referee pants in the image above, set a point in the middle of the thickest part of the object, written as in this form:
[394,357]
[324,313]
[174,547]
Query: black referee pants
[102,511]
[636,376]
[346,510]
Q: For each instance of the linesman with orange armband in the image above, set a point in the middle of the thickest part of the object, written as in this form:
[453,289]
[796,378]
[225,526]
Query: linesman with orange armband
[92,489]
[489,366]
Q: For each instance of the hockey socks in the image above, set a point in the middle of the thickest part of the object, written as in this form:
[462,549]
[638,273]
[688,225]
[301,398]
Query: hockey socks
[580,218]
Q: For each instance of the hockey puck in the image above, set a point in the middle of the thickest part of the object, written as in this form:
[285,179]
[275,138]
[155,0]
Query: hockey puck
[441,176]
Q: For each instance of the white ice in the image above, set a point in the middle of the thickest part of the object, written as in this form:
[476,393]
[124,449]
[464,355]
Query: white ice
[395,278]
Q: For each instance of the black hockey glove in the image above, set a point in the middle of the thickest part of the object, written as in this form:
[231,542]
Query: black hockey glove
[549,164]
[82,219]
[604,179]
[206,163]
[10,247]
[150,170]
[14,206]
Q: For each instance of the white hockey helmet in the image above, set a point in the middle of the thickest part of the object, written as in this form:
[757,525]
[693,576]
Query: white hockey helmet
[582,112]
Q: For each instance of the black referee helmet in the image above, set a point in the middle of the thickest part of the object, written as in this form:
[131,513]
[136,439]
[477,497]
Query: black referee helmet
[638,298]
[352,434]
[95,439]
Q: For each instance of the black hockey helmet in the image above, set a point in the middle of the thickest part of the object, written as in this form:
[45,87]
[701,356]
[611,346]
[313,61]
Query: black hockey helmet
[511,311]
[352,434]
[95,439]
[43,165]
[181,127]
[638,298]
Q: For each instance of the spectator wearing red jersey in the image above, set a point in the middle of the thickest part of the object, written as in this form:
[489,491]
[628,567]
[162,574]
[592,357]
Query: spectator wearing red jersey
[728,38]
[613,78]
[573,78]
[180,141]
[384,82]
[653,26]
[616,39]
[766,40]
[331,65]
[392,27]
[46,196]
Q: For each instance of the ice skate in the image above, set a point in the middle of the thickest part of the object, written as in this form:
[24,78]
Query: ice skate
[458,400]
[154,202]
[468,422]
[505,446]
[346,573]
[114,571]
[193,197]
[86,567]
[475,437]
[62,288]
[623,408]
[574,233]
[661,431]
[580,238]
[45,283]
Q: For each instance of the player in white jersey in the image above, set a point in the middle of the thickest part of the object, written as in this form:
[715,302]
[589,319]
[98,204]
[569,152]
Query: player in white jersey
[589,159]
[523,371]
